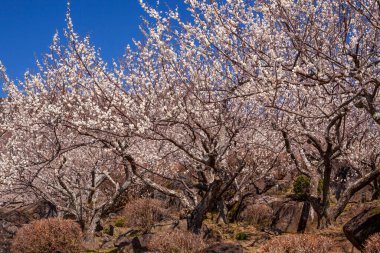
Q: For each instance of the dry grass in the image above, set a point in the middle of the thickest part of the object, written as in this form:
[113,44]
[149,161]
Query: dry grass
[48,236]
[299,243]
[176,241]
[142,214]
[372,245]
[258,215]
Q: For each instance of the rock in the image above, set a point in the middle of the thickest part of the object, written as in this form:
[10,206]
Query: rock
[130,233]
[111,215]
[107,245]
[224,248]
[99,227]
[260,240]
[110,250]
[136,245]
[211,234]
[180,224]
[110,231]
[107,238]
[359,228]
[162,227]
[288,214]
[143,240]
[128,242]
[11,229]
[122,241]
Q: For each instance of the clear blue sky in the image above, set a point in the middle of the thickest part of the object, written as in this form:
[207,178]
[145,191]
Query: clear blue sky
[27,27]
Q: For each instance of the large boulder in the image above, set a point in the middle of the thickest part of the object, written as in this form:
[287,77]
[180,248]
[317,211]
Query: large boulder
[287,215]
[129,242]
[359,228]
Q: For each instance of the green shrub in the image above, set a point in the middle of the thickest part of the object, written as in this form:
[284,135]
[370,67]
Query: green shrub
[119,223]
[241,236]
[301,187]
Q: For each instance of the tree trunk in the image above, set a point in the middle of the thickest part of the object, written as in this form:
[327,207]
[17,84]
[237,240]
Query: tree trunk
[89,228]
[376,189]
[195,220]
[304,217]
[222,211]
[324,219]
[351,190]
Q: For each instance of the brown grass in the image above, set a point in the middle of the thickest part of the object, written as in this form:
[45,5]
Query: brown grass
[258,215]
[48,236]
[299,243]
[372,245]
[176,241]
[143,213]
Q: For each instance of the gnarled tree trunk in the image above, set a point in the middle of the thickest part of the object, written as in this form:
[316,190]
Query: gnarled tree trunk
[195,219]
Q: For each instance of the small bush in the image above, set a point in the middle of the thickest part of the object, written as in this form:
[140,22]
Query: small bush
[301,187]
[372,245]
[48,236]
[241,236]
[300,243]
[119,223]
[258,215]
[142,214]
[107,230]
[176,241]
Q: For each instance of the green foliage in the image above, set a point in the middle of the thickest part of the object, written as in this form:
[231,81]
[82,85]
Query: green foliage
[119,223]
[106,230]
[301,187]
[241,236]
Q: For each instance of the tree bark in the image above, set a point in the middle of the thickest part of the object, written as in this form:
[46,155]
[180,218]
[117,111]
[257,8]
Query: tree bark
[89,228]
[222,211]
[351,190]
[376,190]
[304,217]
[195,220]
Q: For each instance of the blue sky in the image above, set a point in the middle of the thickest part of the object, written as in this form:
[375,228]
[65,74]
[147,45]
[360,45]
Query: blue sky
[27,27]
